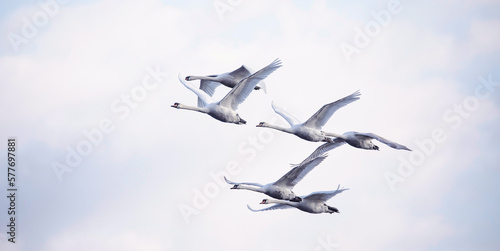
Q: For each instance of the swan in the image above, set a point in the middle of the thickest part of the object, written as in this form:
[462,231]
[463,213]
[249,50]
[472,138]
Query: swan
[313,203]
[363,141]
[225,109]
[209,83]
[282,188]
[311,129]
[355,139]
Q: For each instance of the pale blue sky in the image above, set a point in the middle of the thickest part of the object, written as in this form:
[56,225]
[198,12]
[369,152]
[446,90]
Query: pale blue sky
[416,75]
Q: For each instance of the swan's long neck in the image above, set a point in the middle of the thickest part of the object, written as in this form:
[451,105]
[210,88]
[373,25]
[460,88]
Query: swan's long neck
[252,188]
[286,202]
[211,78]
[279,128]
[193,108]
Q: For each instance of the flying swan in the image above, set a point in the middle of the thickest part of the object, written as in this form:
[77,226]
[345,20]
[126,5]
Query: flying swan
[314,203]
[282,188]
[225,109]
[311,129]
[209,83]
[355,139]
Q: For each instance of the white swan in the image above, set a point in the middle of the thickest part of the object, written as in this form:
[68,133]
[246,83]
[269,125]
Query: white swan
[364,141]
[230,79]
[355,139]
[282,188]
[313,203]
[225,109]
[311,129]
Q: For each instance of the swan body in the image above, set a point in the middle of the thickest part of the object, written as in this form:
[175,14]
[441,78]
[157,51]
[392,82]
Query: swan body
[209,83]
[282,188]
[225,109]
[314,203]
[224,114]
[308,133]
[311,129]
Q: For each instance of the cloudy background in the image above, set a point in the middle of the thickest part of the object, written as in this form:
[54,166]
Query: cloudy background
[429,76]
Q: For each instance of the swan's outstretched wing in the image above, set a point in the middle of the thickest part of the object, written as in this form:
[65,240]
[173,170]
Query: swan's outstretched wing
[240,73]
[274,207]
[322,149]
[262,84]
[295,175]
[208,87]
[242,183]
[241,91]
[205,98]
[284,114]
[385,141]
[319,119]
[324,195]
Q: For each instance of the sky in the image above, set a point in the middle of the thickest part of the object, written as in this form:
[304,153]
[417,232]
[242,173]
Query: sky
[104,163]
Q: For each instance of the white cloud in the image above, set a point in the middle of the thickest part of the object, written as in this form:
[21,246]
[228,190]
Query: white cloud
[483,34]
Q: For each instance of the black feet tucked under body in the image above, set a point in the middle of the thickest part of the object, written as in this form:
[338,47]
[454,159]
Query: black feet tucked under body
[333,209]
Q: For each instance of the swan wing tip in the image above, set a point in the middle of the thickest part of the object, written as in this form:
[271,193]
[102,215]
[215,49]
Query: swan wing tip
[251,209]
[342,189]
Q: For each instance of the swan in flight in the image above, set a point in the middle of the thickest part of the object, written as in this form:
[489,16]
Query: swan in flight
[359,140]
[282,188]
[314,203]
[209,83]
[311,129]
[355,139]
[364,141]
[225,109]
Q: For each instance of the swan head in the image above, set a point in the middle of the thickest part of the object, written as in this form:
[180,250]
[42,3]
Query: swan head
[176,105]
[236,187]
[264,201]
[188,78]
[368,144]
[262,124]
